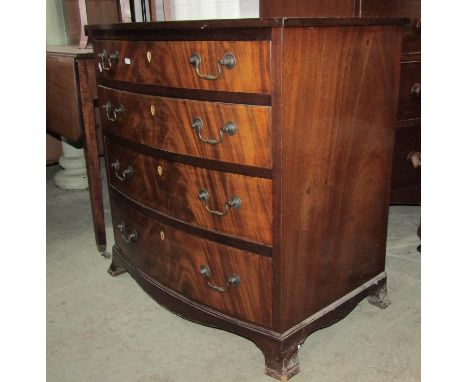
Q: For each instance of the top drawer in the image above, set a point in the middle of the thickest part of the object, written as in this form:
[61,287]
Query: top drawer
[233,66]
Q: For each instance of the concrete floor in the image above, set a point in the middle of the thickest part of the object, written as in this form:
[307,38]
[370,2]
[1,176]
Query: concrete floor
[103,329]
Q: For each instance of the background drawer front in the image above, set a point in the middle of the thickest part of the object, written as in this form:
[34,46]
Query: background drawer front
[166,123]
[174,258]
[137,185]
[404,175]
[409,102]
[166,63]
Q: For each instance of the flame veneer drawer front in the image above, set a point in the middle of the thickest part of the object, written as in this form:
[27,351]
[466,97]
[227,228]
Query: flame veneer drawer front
[231,66]
[225,278]
[221,131]
[228,203]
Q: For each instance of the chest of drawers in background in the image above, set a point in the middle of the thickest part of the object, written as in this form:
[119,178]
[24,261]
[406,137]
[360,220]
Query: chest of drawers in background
[249,165]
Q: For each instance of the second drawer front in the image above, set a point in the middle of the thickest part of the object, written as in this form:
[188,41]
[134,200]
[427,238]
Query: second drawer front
[176,258]
[171,124]
[410,91]
[234,204]
[167,63]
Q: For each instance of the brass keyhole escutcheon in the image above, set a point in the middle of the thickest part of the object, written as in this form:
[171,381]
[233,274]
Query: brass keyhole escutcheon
[148,56]
[159,170]
[153,110]
[162,235]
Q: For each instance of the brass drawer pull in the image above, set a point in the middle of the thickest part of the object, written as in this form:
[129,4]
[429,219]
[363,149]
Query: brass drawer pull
[229,128]
[128,238]
[416,90]
[126,174]
[106,59]
[228,60]
[233,280]
[112,112]
[234,202]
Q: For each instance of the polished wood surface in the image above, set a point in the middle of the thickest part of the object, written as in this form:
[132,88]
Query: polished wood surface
[173,188]
[166,123]
[336,167]
[409,106]
[312,230]
[302,8]
[390,8]
[174,258]
[63,114]
[169,64]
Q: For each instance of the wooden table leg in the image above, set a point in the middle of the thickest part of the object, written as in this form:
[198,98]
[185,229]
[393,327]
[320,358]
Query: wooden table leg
[91,151]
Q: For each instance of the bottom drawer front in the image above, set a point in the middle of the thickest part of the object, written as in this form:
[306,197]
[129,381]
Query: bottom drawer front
[230,280]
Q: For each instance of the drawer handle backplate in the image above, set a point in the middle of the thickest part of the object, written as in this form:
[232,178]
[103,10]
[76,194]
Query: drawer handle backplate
[229,128]
[228,61]
[127,237]
[233,202]
[233,280]
[106,59]
[126,174]
[112,112]
[416,90]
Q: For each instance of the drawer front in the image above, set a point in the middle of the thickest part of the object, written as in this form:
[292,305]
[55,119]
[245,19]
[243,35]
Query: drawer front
[213,130]
[167,63]
[404,175]
[175,259]
[410,97]
[130,172]
[233,204]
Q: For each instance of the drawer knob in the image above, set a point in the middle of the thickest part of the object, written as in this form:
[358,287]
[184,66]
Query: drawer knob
[233,202]
[229,128]
[106,60]
[126,174]
[233,280]
[112,113]
[127,237]
[416,90]
[228,61]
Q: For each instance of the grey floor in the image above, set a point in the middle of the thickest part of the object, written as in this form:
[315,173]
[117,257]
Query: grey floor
[103,329]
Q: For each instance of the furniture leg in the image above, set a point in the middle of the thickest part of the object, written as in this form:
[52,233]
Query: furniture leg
[281,360]
[91,150]
[379,298]
[116,268]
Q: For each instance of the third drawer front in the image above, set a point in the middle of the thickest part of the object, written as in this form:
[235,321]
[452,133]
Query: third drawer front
[225,278]
[234,66]
[220,131]
[234,204]
[409,106]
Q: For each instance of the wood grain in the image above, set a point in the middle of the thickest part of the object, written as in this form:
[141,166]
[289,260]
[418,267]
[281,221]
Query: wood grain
[169,65]
[63,106]
[390,8]
[174,258]
[175,193]
[165,123]
[336,167]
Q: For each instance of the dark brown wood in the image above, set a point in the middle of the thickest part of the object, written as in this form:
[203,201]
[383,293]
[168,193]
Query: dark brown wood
[168,64]
[304,8]
[200,95]
[409,102]
[166,123]
[336,169]
[405,178]
[322,217]
[173,189]
[63,114]
[259,249]
[390,8]
[91,149]
[174,258]
[257,172]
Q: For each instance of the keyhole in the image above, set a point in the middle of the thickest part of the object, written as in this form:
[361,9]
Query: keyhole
[162,235]
[153,110]
[159,170]
[148,56]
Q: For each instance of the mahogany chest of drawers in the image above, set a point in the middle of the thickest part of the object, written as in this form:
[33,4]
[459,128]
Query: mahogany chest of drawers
[249,164]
